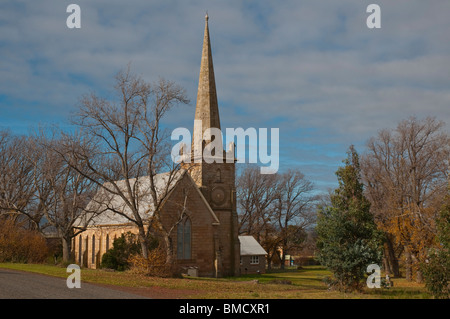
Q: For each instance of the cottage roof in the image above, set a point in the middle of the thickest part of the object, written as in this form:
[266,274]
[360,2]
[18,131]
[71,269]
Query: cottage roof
[249,246]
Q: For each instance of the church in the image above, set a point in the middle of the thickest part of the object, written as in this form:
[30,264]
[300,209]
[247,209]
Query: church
[206,241]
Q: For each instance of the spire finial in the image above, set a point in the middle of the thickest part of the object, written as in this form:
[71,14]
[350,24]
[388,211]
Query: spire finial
[206,16]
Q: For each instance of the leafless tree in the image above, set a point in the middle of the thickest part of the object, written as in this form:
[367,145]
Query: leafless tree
[294,210]
[405,171]
[37,186]
[62,192]
[276,209]
[256,193]
[121,148]
[17,191]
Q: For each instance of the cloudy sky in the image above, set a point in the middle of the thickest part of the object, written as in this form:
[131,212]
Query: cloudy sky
[312,68]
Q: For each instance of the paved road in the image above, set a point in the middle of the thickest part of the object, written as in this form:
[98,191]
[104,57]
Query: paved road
[23,285]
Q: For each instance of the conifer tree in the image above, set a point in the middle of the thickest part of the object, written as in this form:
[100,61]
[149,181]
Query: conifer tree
[348,239]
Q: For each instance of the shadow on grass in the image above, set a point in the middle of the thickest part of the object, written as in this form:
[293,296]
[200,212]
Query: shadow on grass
[310,277]
[398,293]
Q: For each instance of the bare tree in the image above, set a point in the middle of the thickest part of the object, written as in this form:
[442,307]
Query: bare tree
[122,149]
[37,186]
[256,193]
[276,209]
[405,171]
[293,209]
[17,191]
[62,192]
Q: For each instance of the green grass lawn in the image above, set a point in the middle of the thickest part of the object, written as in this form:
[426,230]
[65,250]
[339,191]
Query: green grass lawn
[306,283]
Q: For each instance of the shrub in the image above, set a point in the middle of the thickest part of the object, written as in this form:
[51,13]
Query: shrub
[154,265]
[436,270]
[117,258]
[21,245]
[437,274]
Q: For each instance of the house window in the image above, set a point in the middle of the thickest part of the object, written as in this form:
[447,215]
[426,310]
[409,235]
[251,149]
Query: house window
[184,239]
[254,260]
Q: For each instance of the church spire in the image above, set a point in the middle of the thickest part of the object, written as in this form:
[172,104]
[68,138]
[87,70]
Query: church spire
[207,109]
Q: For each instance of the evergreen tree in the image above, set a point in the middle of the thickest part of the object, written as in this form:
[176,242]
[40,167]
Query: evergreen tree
[348,239]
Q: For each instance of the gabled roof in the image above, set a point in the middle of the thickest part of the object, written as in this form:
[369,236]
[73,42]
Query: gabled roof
[214,216]
[105,203]
[249,246]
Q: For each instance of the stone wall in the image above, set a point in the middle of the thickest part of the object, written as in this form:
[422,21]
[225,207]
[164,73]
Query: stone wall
[91,244]
[247,267]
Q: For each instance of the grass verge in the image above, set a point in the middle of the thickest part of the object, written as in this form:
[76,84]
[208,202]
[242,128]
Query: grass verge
[306,283]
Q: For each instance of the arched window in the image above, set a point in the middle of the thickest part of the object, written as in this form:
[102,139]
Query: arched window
[218,176]
[80,249]
[86,252]
[93,249]
[107,242]
[184,239]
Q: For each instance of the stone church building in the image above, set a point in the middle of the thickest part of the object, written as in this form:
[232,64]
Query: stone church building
[207,238]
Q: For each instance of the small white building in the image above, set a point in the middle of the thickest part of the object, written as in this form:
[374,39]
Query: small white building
[253,256]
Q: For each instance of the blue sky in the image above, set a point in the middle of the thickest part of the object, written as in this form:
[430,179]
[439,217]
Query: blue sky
[311,68]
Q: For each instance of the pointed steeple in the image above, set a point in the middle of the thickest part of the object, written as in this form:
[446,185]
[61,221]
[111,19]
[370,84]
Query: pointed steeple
[207,109]
[215,179]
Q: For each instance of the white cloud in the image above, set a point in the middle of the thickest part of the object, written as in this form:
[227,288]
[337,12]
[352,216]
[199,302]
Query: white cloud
[310,65]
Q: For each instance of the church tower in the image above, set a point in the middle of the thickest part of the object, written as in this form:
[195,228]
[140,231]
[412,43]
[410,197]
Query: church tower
[215,175]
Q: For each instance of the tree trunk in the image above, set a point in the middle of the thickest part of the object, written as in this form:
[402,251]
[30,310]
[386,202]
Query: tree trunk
[386,264]
[66,245]
[144,242]
[283,255]
[408,264]
[391,259]
[419,277]
[169,250]
[269,260]
[415,266]
[277,252]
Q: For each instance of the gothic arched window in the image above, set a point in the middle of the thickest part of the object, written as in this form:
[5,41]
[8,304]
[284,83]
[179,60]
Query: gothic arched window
[107,242]
[184,239]
[80,249]
[93,249]
[218,176]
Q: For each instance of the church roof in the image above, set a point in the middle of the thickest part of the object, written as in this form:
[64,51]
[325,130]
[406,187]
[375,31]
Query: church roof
[104,207]
[107,208]
[249,246]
